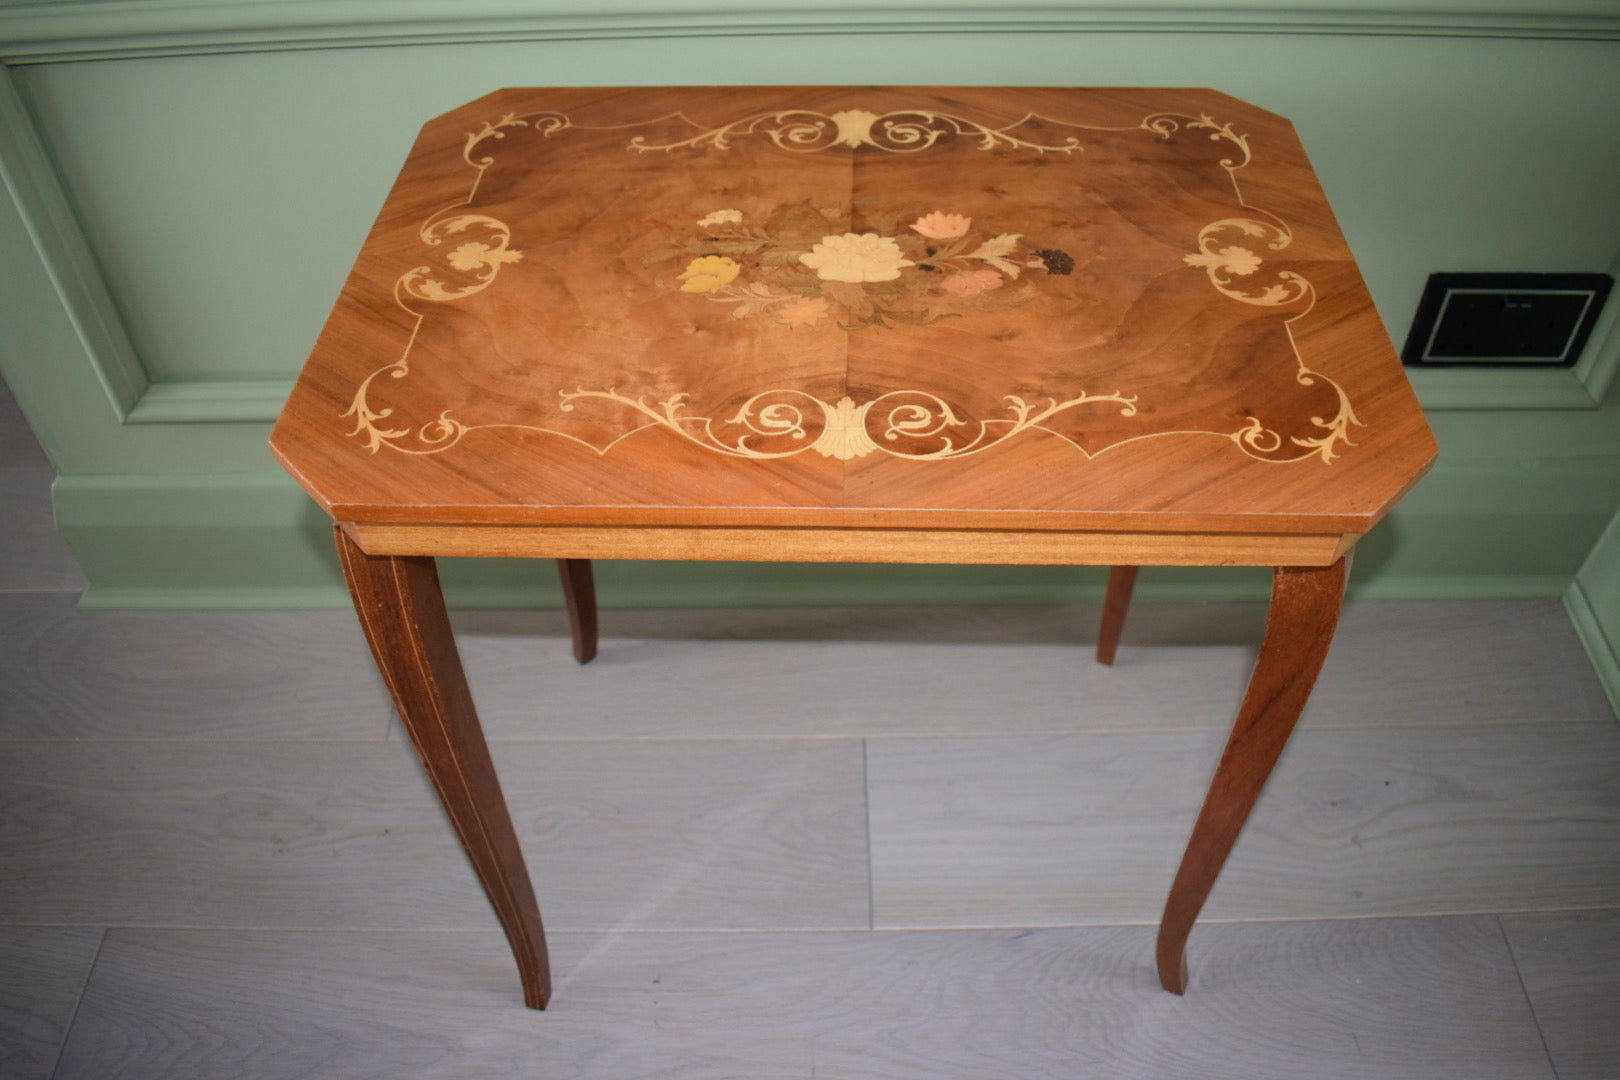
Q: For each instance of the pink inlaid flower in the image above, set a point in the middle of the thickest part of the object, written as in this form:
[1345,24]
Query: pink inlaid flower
[803,311]
[941,226]
[971,283]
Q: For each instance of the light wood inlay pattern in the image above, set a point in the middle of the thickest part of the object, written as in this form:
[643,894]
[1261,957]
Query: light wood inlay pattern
[850,324]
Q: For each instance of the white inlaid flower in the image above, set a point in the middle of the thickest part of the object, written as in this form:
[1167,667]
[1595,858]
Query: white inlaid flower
[720,217]
[856,257]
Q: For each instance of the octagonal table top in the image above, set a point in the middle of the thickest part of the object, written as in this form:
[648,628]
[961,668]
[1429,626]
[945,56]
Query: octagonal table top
[1062,309]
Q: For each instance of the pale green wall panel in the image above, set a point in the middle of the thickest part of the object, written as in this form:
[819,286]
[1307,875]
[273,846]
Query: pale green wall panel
[223,195]
[226,194]
[111,28]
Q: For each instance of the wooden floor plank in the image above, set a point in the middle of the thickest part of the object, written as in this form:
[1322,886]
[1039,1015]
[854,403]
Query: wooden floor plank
[184,772]
[1012,671]
[1570,964]
[643,835]
[70,674]
[1423,663]
[1329,1000]
[1086,829]
[653,689]
[42,975]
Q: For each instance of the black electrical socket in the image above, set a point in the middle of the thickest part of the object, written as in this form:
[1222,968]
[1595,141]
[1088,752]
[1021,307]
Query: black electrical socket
[1514,320]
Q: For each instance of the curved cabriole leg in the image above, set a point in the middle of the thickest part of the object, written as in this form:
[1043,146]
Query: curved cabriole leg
[1305,604]
[402,611]
[1121,581]
[579,593]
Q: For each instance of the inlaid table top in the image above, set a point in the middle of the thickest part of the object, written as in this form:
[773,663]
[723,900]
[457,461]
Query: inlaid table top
[1025,309]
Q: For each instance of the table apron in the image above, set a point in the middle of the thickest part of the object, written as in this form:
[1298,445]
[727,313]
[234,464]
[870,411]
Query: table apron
[742,544]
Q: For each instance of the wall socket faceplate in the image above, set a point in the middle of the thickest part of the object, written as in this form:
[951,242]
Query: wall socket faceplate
[1505,320]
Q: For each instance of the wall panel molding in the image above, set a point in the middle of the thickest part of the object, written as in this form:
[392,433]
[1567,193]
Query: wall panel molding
[59,244]
[97,29]
[1593,602]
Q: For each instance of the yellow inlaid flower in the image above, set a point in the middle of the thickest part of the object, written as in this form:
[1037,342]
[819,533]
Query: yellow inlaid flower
[708,273]
[856,257]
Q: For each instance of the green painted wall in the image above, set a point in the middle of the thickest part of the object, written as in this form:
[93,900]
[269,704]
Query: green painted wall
[188,184]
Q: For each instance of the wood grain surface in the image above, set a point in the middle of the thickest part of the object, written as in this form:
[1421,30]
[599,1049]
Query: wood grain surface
[1075,1002]
[401,609]
[213,675]
[1303,615]
[1357,823]
[1570,964]
[1011,671]
[349,835]
[42,977]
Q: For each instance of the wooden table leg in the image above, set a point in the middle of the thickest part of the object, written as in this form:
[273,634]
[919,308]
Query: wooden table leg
[579,593]
[1121,582]
[402,611]
[1305,605]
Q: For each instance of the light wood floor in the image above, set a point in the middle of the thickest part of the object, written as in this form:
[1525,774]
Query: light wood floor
[865,844]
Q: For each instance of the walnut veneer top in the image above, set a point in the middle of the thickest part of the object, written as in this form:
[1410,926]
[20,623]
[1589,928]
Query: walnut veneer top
[1021,308]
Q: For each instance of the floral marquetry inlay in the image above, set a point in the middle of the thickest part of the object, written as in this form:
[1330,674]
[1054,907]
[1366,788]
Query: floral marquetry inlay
[789,267]
[473,245]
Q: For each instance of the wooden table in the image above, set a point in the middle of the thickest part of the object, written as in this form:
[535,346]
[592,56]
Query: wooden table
[1108,327]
